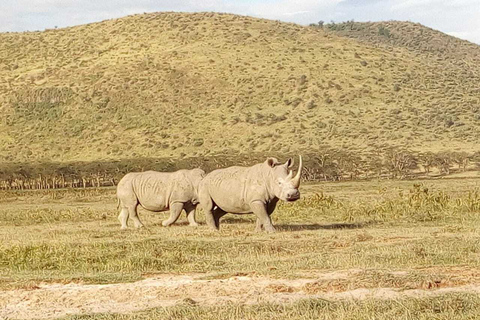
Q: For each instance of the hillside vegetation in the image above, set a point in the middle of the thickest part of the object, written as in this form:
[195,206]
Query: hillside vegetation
[199,85]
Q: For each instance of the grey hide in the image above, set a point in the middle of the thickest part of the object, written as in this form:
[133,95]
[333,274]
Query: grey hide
[255,189]
[159,191]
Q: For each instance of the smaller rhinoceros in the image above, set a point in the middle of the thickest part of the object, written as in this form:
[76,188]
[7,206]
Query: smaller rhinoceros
[159,191]
[255,189]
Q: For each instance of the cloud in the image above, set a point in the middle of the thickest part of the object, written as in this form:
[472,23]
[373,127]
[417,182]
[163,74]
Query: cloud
[428,5]
[303,11]
[471,36]
[410,4]
[295,13]
[461,35]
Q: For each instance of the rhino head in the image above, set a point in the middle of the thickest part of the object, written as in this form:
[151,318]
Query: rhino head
[283,184]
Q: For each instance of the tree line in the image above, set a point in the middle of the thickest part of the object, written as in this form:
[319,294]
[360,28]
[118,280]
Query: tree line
[326,165]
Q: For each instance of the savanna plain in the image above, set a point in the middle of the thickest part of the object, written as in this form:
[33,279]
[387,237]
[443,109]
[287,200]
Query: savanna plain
[346,250]
[84,105]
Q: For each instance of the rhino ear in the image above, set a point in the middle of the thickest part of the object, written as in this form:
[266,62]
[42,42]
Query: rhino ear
[289,163]
[271,162]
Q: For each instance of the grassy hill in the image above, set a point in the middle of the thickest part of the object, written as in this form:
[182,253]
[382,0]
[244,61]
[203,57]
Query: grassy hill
[199,85]
[413,36]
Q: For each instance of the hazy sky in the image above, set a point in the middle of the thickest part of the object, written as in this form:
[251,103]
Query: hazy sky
[460,18]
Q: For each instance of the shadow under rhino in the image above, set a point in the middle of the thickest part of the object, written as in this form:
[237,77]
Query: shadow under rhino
[316,226]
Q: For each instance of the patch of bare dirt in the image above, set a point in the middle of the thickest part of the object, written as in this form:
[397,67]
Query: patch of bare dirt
[57,300]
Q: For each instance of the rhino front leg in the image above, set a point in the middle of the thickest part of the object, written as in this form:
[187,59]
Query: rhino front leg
[270,208]
[263,218]
[175,210]
[259,225]
[190,209]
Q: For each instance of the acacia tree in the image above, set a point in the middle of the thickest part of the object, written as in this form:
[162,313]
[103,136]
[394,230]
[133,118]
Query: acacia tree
[427,160]
[374,163]
[444,161]
[462,159]
[348,163]
[400,161]
[323,161]
[328,166]
[475,158]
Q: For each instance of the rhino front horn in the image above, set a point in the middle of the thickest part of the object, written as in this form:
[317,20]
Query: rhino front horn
[296,179]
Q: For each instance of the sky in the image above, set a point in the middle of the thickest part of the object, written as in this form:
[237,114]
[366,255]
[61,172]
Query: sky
[459,18]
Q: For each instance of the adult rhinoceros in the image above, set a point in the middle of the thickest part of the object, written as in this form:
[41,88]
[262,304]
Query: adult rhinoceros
[159,191]
[255,189]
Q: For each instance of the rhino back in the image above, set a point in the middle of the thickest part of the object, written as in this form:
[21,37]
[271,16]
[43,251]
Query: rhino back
[234,188]
[157,190]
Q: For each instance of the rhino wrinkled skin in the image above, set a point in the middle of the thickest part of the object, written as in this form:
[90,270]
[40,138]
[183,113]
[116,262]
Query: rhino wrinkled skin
[255,189]
[159,191]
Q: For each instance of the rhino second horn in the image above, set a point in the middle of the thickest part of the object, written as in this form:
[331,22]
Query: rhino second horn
[290,175]
[296,179]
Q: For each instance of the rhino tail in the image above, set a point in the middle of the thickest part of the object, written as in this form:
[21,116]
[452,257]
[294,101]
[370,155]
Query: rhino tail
[118,203]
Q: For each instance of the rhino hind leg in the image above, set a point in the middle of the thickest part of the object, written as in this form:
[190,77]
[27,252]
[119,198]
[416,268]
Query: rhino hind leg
[217,214]
[175,211]
[190,210]
[132,213]
[127,202]
[123,217]
[207,205]
[210,220]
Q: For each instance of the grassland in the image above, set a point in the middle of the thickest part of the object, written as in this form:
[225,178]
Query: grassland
[176,85]
[173,90]
[444,308]
[387,234]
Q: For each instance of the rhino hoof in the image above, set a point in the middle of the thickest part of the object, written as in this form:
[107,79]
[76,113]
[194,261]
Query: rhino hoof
[194,224]
[270,229]
[165,223]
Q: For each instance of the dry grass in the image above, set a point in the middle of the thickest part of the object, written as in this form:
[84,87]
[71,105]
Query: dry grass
[177,85]
[75,236]
[376,230]
[447,307]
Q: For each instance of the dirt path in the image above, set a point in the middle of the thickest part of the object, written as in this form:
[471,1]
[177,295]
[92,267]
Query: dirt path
[56,300]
